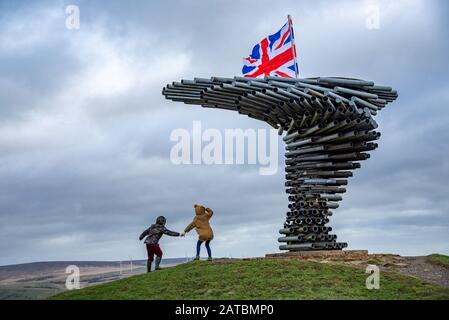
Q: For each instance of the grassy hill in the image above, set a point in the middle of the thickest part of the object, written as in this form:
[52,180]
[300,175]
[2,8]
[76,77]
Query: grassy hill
[40,280]
[439,259]
[260,279]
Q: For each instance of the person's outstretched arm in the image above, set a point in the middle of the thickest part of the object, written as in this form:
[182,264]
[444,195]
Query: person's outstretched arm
[171,233]
[144,234]
[190,226]
[209,213]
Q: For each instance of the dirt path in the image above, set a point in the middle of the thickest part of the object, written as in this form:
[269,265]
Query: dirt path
[418,266]
[421,268]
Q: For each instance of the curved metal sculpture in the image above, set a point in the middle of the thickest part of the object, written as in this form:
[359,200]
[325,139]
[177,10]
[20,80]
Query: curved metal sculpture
[329,127]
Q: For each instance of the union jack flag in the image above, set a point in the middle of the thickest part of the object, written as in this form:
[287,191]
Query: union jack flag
[275,55]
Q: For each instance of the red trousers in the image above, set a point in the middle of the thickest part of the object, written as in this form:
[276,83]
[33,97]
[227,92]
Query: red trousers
[153,249]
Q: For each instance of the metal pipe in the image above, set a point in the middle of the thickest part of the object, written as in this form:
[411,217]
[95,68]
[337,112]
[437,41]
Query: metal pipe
[342,81]
[364,103]
[358,93]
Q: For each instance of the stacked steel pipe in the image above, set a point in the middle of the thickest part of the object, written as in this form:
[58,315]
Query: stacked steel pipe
[328,125]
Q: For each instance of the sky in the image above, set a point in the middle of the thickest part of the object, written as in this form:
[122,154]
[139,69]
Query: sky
[84,128]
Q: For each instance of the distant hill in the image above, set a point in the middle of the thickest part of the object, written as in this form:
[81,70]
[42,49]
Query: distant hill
[267,279]
[39,280]
[49,265]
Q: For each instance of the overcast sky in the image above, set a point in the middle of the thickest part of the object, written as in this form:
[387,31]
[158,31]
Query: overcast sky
[84,129]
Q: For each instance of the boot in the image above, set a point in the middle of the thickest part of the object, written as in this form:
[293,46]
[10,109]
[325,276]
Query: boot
[148,266]
[209,258]
[158,262]
[197,258]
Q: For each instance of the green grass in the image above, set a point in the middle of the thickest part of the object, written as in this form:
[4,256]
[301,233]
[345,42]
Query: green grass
[439,259]
[261,279]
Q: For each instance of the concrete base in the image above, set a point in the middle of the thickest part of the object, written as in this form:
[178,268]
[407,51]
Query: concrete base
[322,254]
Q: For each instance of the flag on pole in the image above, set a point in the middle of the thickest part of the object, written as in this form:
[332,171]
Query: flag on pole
[275,55]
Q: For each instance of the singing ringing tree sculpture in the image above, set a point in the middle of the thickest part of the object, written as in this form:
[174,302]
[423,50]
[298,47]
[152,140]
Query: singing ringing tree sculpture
[329,128]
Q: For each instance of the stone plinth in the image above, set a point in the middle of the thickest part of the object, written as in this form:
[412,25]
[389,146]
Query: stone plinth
[322,254]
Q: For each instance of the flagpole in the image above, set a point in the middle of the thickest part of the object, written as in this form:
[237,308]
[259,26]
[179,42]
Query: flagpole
[293,44]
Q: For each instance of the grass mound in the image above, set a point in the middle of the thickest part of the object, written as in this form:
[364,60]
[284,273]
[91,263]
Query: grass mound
[259,279]
[439,259]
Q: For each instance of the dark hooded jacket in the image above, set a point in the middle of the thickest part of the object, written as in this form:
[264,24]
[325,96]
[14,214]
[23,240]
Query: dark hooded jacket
[155,231]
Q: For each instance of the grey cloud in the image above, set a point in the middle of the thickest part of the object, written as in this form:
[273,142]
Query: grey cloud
[84,161]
